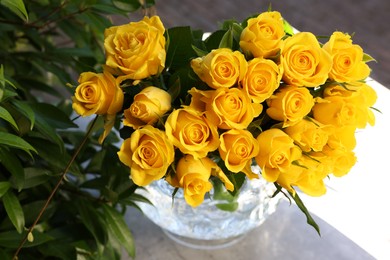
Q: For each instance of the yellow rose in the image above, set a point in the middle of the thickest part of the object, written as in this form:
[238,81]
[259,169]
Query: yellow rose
[342,138]
[193,176]
[290,104]
[348,64]
[136,50]
[263,35]
[309,135]
[316,167]
[191,132]
[304,62]
[97,93]
[237,149]
[148,106]
[261,79]
[342,160]
[276,153]
[148,153]
[341,106]
[221,68]
[226,108]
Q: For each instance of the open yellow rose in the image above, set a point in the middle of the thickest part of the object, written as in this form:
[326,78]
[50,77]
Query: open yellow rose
[191,132]
[348,64]
[148,106]
[237,149]
[261,79]
[263,35]
[342,160]
[304,62]
[136,50]
[342,107]
[277,151]
[193,176]
[290,105]
[148,153]
[221,68]
[226,108]
[97,93]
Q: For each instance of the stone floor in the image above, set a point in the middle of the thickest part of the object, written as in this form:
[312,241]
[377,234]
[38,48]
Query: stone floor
[369,20]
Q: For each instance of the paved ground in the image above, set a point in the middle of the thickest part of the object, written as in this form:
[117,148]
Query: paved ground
[368,19]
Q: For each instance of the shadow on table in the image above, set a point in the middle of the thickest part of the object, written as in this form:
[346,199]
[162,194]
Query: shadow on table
[284,235]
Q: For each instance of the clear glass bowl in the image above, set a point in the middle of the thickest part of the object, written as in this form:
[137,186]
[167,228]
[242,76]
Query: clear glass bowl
[206,226]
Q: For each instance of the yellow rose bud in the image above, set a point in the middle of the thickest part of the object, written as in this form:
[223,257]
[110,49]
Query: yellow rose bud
[97,93]
[348,64]
[290,104]
[309,135]
[136,50]
[276,153]
[148,106]
[261,79]
[148,153]
[221,68]
[304,62]
[263,35]
[191,132]
[229,108]
[237,149]
[193,176]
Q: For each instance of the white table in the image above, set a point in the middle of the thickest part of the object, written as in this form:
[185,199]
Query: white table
[352,215]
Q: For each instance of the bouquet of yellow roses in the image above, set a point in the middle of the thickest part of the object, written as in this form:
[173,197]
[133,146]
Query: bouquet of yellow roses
[197,110]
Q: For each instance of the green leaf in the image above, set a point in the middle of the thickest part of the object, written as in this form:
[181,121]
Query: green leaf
[14,210]
[181,52]
[92,221]
[25,110]
[59,250]
[288,29]
[4,186]
[53,116]
[15,142]
[11,239]
[8,117]
[35,177]
[231,207]
[227,40]
[127,5]
[11,162]
[368,58]
[303,208]
[17,7]
[119,228]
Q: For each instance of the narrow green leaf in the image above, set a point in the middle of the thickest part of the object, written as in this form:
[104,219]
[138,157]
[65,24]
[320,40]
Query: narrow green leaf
[4,186]
[14,210]
[35,177]
[25,110]
[231,207]
[11,162]
[227,40]
[368,58]
[92,221]
[17,7]
[119,228]
[8,117]
[288,29]
[52,115]
[199,52]
[15,142]
[11,239]
[127,5]
[303,208]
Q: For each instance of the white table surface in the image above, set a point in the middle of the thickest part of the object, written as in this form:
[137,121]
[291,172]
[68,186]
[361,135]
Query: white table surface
[353,215]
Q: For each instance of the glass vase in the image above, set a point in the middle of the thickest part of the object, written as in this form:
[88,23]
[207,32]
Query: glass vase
[207,226]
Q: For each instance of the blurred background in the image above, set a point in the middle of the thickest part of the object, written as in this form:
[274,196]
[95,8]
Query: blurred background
[369,20]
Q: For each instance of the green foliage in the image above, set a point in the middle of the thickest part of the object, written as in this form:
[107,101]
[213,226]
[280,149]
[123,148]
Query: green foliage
[44,46]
